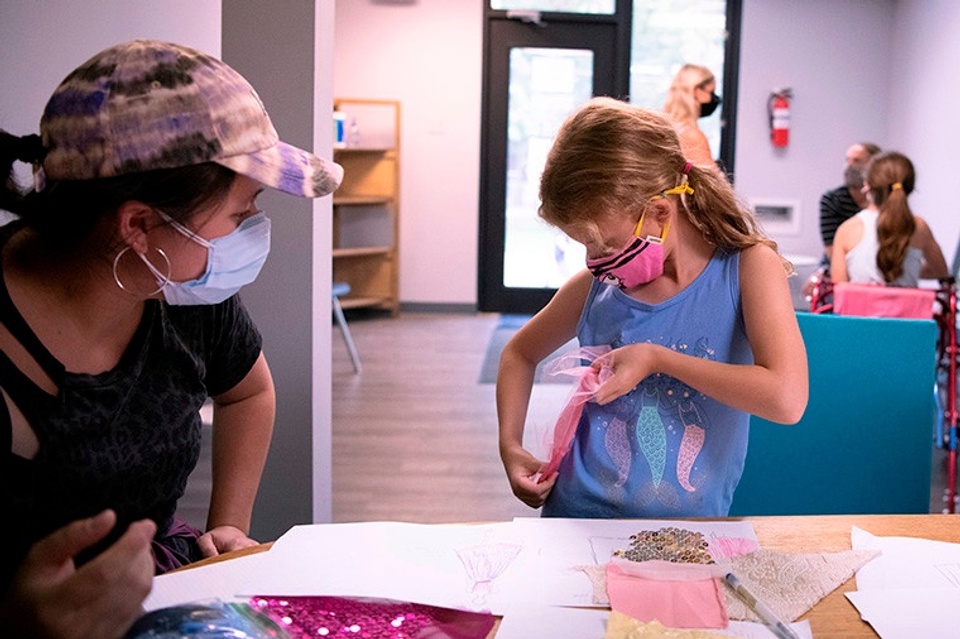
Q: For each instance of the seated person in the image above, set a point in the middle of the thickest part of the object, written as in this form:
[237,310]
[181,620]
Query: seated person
[886,243]
[840,204]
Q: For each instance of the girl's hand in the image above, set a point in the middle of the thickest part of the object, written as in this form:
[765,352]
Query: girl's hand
[627,366]
[223,539]
[523,473]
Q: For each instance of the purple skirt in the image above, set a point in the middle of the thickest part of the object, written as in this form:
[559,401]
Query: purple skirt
[176,547]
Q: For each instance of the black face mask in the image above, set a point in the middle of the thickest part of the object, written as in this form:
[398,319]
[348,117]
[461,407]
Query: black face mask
[853,178]
[711,106]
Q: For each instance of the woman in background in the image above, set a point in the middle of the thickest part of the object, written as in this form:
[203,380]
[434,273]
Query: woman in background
[886,243]
[692,95]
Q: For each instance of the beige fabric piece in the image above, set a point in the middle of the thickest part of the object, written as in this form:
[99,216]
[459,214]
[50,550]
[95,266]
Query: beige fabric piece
[621,626]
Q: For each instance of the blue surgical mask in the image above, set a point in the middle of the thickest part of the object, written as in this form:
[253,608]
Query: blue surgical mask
[233,261]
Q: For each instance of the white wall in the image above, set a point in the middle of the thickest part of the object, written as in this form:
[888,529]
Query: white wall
[428,55]
[841,85]
[925,94]
[877,70]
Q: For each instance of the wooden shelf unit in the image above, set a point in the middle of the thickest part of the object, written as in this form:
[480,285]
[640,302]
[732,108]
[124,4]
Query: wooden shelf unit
[366,206]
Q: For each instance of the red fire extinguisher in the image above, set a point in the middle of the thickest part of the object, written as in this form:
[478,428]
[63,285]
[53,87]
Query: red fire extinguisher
[778,108]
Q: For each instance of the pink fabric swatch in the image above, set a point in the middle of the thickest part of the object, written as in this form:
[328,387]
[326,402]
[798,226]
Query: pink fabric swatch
[695,603]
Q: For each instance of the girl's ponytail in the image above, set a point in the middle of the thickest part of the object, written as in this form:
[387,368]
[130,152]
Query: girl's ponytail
[891,177]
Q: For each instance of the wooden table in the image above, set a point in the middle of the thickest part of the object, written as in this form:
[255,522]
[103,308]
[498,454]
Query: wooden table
[834,617]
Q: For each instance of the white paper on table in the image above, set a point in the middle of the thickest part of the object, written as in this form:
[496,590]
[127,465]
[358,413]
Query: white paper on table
[559,545]
[907,563]
[216,581]
[466,566]
[930,613]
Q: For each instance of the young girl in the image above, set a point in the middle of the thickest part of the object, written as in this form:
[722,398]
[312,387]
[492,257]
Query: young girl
[698,313]
[886,243]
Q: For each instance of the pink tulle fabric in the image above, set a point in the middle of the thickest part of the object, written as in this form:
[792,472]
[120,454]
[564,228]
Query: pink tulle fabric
[588,380]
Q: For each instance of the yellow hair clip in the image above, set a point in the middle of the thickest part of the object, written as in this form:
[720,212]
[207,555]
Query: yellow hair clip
[681,189]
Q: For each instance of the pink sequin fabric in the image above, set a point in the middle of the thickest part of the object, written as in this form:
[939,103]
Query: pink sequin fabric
[367,618]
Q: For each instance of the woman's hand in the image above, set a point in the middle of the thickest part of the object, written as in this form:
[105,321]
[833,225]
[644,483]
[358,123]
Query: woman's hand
[51,598]
[223,539]
[523,473]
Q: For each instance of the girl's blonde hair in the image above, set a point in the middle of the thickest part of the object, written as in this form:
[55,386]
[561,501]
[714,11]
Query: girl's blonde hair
[681,103]
[611,158]
[891,178]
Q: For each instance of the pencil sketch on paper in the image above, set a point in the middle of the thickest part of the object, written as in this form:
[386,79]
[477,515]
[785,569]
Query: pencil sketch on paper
[484,563]
[950,572]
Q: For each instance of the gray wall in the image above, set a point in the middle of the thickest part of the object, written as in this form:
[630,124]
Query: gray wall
[273,50]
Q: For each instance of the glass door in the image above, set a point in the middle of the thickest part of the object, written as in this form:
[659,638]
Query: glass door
[537,75]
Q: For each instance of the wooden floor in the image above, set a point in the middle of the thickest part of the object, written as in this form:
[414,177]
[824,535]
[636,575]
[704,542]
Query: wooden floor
[415,434]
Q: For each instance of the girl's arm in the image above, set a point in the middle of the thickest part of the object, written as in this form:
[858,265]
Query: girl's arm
[774,387]
[934,264]
[242,427]
[547,331]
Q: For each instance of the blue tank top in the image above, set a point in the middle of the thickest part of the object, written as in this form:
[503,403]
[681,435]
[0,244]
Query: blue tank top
[664,449]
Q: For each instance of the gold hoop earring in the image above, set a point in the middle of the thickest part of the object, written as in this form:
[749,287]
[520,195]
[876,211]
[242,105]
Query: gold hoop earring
[164,278]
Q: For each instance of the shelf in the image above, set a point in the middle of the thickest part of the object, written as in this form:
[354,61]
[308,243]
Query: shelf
[362,251]
[366,212]
[361,200]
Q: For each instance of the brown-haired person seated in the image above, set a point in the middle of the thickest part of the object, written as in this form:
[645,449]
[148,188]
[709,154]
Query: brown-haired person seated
[886,243]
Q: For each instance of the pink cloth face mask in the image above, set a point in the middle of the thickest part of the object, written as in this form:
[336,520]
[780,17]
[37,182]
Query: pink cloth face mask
[639,262]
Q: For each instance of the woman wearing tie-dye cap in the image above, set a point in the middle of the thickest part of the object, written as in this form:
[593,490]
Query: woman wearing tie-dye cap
[119,318]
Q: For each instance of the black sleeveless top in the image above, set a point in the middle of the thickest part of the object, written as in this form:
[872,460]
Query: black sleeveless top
[127,438]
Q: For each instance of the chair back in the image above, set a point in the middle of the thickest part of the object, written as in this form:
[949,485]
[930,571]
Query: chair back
[875,300]
[864,443]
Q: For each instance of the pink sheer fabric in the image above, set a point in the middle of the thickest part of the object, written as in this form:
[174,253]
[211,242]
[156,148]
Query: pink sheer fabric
[588,380]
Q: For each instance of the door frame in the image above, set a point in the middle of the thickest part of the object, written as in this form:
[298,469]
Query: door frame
[611,77]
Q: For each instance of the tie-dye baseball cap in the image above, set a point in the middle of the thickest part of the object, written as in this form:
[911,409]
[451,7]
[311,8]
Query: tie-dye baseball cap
[147,104]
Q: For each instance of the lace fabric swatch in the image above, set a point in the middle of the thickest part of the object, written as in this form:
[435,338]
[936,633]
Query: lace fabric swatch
[792,583]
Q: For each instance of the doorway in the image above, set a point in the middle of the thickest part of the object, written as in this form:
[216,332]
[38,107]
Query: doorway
[536,75]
